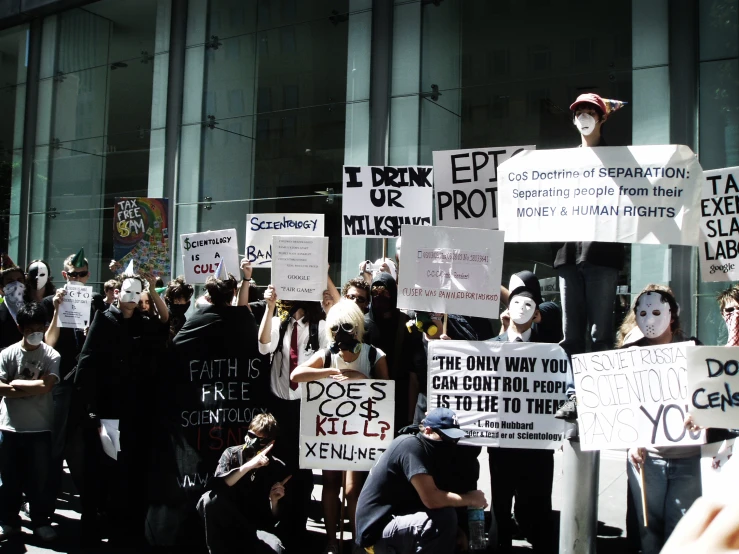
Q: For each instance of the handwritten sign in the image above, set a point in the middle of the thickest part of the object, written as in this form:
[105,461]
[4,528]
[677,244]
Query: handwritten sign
[141,234]
[74,311]
[377,200]
[634,397]
[345,425]
[719,234]
[300,267]
[628,194]
[713,385]
[202,252]
[260,228]
[451,270]
[466,185]
[505,394]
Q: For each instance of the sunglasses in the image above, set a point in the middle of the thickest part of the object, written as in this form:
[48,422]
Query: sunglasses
[261,440]
[357,299]
[348,327]
[76,274]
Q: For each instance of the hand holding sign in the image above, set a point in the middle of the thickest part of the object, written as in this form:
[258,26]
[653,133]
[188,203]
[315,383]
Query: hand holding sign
[246,269]
[59,298]
[270,296]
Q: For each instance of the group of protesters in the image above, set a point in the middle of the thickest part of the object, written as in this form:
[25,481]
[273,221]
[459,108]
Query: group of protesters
[179,423]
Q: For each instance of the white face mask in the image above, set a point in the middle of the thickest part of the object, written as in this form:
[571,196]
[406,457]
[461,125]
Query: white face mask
[42,274]
[585,123]
[521,309]
[653,315]
[130,291]
[34,339]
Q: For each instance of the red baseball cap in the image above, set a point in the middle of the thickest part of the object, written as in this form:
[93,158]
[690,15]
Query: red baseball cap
[590,98]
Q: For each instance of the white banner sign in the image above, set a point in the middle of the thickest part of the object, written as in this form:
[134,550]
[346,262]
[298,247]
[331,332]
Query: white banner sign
[504,393]
[451,270]
[260,228]
[202,252]
[377,200]
[74,311]
[720,471]
[713,386]
[634,397]
[345,425]
[629,194]
[300,267]
[719,235]
[466,185]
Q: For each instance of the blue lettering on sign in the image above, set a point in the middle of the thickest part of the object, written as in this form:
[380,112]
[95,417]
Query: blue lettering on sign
[263,225]
[261,257]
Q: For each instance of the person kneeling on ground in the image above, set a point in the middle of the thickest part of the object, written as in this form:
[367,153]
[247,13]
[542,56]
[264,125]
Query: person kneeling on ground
[400,508]
[240,511]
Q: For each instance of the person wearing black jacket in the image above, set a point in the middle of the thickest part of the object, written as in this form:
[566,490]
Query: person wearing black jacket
[116,371]
[385,328]
[526,473]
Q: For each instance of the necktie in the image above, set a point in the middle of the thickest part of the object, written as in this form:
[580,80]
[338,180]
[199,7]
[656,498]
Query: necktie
[294,354]
[518,339]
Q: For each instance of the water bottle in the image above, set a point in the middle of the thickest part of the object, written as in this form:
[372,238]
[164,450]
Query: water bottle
[476,520]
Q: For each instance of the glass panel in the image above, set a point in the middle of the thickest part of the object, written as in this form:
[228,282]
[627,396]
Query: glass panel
[719,29]
[719,114]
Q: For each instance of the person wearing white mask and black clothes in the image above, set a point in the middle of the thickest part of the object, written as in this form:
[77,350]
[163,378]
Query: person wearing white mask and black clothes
[588,271]
[525,473]
[116,371]
[672,473]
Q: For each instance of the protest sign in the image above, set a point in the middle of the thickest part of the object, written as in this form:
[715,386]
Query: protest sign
[141,234]
[628,194]
[260,228]
[299,267]
[74,311]
[345,425]
[451,270]
[202,252]
[719,247]
[505,394]
[377,200]
[466,185]
[720,471]
[633,397]
[713,386]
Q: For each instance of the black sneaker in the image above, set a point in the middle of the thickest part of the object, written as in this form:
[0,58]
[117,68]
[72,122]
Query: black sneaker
[568,410]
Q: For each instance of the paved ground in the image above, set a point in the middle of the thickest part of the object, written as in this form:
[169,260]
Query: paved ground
[611,505]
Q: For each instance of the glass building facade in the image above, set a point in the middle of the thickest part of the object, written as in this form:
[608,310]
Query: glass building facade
[228,107]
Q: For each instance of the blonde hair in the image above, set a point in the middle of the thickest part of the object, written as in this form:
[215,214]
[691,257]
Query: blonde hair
[345,311]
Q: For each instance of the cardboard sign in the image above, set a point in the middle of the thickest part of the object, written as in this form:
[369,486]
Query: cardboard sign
[466,185]
[713,386]
[260,228]
[451,270]
[74,311]
[720,471]
[633,397]
[202,252]
[300,267]
[504,393]
[719,235]
[628,194]
[377,200]
[141,234]
[345,425]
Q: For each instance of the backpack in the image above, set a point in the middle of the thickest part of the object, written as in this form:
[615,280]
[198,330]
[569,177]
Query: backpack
[371,357]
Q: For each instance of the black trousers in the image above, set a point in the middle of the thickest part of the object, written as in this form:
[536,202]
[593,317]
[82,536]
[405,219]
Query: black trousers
[528,475]
[296,503]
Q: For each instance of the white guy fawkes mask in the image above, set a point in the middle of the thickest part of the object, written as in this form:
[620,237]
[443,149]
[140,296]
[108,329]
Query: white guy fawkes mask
[653,315]
[39,271]
[521,309]
[585,123]
[131,291]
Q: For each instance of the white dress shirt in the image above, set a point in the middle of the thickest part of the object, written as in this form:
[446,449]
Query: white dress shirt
[525,337]
[280,378]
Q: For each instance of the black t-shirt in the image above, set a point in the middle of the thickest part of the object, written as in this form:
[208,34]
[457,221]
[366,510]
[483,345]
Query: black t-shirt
[388,491]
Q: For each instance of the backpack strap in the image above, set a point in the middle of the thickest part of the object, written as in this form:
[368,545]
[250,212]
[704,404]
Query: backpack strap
[313,343]
[372,356]
[327,358]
